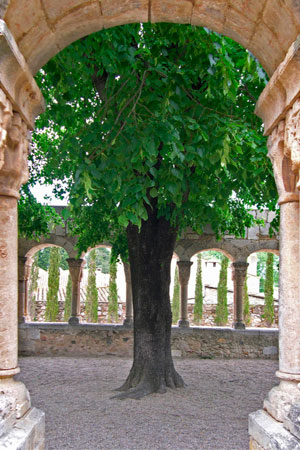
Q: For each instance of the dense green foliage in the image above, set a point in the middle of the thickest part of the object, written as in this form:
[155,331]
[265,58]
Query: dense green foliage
[112,293]
[269,298]
[68,300]
[222,310]
[198,292]
[102,259]
[155,111]
[246,304]
[262,266]
[91,300]
[33,287]
[176,298]
[34,219]
[51,313]
[44,258]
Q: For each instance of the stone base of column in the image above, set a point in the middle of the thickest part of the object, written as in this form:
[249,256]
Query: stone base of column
[128,322]
[26,433]
[239,325]
[182,323]
[74,320]
[268,434]
[280,399]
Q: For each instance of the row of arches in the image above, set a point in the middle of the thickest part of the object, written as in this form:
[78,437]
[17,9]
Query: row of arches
[76,267]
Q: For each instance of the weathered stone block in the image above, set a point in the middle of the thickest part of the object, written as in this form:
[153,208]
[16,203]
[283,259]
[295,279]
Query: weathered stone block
[120,12]
[56,9]
[209,14]
[292,422]
[7,414]
[238,27]
[27,434]
[175,11]
[269,351]
[281,22]
[22,19]
[78,23]
[251,9]
[269,433]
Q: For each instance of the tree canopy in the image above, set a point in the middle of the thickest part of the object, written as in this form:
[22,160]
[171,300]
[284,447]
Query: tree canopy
[154,111]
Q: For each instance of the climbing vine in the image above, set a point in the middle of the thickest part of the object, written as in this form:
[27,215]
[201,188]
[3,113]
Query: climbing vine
[51,313]
[33,286]
[269,297]
[91,301]
[112,292]
[246,304]
[222,309]
[198,292]
[68,300]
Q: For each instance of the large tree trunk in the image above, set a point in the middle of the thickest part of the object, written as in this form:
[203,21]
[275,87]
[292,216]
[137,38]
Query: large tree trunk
[150,254]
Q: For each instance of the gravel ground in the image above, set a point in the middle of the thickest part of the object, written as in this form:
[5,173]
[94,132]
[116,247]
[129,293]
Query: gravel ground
[210,413]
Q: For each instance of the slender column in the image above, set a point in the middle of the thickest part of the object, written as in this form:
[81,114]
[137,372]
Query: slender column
[184,269]
[75,268]
[284,151]
[27,311]
[129,307]
[239,274]
[22,289]
[13,172]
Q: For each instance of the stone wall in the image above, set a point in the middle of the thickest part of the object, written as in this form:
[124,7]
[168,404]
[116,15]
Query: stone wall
[49,339]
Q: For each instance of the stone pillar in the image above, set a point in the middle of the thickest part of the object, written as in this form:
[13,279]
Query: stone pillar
[129,306]
[20,102]
[75,268]
[239,273]
[184,269]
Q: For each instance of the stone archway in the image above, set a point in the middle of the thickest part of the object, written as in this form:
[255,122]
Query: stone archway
[42,28]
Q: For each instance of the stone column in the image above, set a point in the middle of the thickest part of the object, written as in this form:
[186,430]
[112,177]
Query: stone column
[239,273]
[129,306]
[284,151]
[184,269]
[20,102]
[75,268]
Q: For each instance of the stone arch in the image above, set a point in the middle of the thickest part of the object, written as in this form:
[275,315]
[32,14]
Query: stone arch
[39,247]
[66,242]
[104,245]
[42,28]
[217,249]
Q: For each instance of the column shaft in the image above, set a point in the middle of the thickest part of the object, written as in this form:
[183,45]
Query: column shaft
[239,276]
[75,268]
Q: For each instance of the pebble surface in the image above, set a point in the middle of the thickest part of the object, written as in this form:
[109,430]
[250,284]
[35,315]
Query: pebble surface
[211,412]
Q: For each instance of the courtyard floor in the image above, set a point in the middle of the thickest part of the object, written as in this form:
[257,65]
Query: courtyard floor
[210,413]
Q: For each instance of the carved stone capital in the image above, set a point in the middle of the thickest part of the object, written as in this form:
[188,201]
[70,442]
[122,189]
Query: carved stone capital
[280,154]
[14,147]
[184,269]
[75,267]
[239,272]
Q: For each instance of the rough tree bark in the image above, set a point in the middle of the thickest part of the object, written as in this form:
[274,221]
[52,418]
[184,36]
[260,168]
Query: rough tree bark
[150,254]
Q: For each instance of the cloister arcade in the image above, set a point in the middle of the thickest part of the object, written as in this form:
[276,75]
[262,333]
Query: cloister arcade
[31,32]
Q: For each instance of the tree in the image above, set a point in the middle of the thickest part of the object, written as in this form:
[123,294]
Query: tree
[91,300]
[68,300]
[113,292]
[261,269]
[222,310]
[198,292]
[176,298]
[33,287]
[44,258]
[52,308]
[269,298]
[246,304]
[102,259]
[156,134]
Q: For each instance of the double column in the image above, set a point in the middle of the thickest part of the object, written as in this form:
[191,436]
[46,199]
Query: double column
[184,270]
[239,273]
[75,269]
[284,152]
[24,266]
